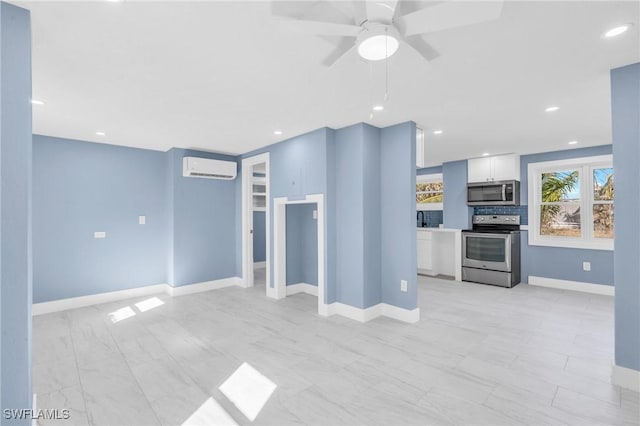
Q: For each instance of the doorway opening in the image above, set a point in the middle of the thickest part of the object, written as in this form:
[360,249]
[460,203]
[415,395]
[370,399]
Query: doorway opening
[255,222]
[290,267]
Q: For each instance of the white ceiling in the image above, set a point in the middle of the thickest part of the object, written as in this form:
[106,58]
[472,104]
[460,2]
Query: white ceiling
[222,76]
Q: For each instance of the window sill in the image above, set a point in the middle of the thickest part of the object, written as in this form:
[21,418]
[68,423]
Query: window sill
[430,206]
[564,243]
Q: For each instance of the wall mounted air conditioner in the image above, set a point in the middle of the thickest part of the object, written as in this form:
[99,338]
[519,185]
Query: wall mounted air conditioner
[210,169]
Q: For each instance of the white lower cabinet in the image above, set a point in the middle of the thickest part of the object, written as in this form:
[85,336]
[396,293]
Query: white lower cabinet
[439,252]
[425,251]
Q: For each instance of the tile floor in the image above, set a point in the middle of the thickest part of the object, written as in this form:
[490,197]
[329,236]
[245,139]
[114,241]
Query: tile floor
[479,355]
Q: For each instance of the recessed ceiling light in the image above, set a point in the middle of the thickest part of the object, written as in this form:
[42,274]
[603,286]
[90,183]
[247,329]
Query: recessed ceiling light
[573,142]
[616,31]
[485,154]
[551,109]
[378,107]
[437,132]
[277,132]
[36,102]
[101,134]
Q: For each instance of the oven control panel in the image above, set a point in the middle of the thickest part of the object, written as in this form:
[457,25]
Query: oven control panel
[496,219]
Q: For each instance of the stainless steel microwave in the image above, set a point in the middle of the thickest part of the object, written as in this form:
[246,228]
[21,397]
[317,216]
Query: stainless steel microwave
[503,193]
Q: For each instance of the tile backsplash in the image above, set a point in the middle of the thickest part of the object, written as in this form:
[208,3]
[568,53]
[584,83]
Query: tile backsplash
[523,211]
[433,218]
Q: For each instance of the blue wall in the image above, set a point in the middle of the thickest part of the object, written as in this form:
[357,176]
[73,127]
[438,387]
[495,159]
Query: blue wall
[298,166]
[349,216]
[204,223]
[429,170]
[368,178]
[15,210]
[259,237]
[371,216]
[542,261]
[457,214]
[80,188]
[302,244]
[625,103]
[398,209]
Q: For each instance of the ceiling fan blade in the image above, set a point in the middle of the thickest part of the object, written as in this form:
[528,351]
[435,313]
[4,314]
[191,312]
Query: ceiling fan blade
[381,11]
[404,7]
[359,11]
[291,9]
[319,28]
[422,47]
[343,48]
[448,15]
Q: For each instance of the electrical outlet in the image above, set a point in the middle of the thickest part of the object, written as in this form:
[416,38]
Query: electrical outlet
[99,234]
[315,214]
[142,220]
[586,266]
[403,285]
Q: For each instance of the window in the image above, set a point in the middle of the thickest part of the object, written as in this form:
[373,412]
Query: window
[429,192]
[571,203]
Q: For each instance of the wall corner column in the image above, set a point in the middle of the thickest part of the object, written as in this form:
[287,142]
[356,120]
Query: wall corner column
[15,211]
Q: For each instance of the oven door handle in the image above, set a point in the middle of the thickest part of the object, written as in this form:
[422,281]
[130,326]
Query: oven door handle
[504,192]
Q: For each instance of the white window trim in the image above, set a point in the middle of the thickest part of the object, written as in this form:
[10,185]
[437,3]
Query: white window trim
[586,185]
[434,177]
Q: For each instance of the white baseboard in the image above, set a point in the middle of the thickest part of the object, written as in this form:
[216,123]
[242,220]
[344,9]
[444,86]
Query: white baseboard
[113,296]
[205,286]
[625,378]
[400,314]
[95,299]
[607,290]
[364,315]
[260,264]
[302,288]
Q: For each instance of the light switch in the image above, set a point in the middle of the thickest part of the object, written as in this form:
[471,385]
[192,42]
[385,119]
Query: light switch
[586,266]
[142,220]
[99,234]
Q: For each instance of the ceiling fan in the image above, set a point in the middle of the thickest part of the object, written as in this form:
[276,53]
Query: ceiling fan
[375,28]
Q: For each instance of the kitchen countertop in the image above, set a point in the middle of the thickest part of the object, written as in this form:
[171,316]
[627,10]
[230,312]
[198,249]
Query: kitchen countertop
[438,229]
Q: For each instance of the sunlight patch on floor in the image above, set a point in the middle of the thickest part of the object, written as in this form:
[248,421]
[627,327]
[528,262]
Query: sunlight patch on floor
[210,413]
[149,304]
[248,389]
[121,314]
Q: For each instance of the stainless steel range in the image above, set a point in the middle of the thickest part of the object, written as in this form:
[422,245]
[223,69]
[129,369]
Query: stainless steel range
[491,250]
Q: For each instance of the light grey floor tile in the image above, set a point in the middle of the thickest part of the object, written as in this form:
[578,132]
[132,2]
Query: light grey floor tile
[49,377]
[460,411]
[70,399]
[479,355]
[113,396]
[591,409]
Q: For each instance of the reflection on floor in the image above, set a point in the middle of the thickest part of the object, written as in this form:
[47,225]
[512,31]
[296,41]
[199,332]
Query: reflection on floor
[479,355]
[259,275]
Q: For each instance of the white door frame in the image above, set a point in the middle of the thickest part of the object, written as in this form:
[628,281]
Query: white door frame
[279,290]
[247,219]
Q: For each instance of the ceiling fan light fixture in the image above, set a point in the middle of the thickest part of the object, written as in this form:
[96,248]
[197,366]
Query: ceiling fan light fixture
[378,47]
[378,42]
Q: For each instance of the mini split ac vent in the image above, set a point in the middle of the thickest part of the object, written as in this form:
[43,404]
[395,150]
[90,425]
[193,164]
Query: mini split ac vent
[209,169]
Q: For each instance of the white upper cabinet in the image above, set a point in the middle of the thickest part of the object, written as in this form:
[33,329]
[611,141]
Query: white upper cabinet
[478,169]
[496,168]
